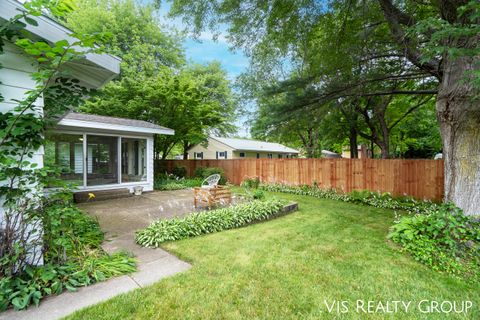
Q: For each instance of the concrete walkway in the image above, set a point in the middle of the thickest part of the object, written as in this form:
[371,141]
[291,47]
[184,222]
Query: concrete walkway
[120,218]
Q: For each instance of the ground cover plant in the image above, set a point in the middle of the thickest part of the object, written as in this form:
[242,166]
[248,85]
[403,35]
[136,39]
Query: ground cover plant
[288,267]
[204,222]
[72,258]
[438,235]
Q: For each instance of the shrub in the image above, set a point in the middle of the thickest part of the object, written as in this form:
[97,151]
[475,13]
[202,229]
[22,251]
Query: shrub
[170,182]
[72,258]
[258,194]
[443,239]
[203,172]
[253,183]
[205,222]
[180,172]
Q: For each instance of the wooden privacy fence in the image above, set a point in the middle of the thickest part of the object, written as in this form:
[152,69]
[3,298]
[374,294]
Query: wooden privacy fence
[421,179]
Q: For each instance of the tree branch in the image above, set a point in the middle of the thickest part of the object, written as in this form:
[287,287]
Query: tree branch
[395,18]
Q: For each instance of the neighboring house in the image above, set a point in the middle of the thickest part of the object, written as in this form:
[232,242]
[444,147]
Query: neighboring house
[233,148]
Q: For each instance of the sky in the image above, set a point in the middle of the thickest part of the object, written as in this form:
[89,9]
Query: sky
[204,49]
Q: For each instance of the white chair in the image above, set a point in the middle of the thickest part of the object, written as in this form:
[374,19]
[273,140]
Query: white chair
[211,181]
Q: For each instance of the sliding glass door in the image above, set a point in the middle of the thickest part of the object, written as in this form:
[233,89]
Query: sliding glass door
[93,160]
[102,160]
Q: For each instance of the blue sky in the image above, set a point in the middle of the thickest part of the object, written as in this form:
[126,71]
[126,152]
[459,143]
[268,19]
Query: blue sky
[205,49]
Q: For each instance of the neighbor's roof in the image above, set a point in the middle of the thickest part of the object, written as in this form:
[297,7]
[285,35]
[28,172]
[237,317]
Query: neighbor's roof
[84,120]
[254,145]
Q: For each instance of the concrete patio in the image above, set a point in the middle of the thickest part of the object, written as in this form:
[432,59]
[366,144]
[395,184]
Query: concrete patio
[120,218]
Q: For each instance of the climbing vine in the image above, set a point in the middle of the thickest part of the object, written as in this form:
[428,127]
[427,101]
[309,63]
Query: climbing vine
[22,130]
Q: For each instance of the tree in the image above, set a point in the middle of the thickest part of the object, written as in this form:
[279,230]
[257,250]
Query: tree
[439,39]
[194,102]
[452,56]
[136,34]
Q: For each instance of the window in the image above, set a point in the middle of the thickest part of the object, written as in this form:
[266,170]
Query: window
[198,155]
[279,156]
[65,153]
[258,155]
[220,155]
[102,160]
[242,154]
[270,156]
[134,164]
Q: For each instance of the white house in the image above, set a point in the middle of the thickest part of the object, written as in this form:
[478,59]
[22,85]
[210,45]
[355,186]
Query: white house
[95,152]
[233,148]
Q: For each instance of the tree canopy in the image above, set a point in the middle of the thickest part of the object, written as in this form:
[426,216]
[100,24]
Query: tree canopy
[156,83]
[367,54]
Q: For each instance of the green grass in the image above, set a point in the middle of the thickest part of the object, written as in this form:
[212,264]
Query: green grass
[286,268]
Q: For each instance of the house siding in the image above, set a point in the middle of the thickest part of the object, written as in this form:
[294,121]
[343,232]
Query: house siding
[210,152]
[214,146]
[15,81]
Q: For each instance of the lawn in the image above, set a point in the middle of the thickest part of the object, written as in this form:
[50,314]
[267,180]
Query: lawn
[289,268]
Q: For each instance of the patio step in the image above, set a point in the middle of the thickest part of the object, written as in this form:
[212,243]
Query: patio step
[84,196]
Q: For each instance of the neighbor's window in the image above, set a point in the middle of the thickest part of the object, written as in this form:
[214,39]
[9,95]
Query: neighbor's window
[221,155]
[258,155]
[270,156]
[242,154]
[198,155]
[134,160]
[279,156]
[64,152]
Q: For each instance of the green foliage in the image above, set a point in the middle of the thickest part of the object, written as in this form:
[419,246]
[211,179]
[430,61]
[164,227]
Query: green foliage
[443,238]
[258,194]
[180,172]
[22,129]
[33,225]
[205,222]
[192,101]
[173,182]
[72,258]
[365,197]
[136,34]
[251,183]
[437,235]
[204,172]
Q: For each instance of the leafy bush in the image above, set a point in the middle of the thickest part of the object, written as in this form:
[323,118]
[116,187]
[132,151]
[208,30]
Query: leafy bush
[253,183]
[207,222]
[171,182]
[443,239]
[258,194]
[72,258]
[203,172]
[180,172]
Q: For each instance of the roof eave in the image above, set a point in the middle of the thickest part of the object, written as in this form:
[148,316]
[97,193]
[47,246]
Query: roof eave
[80,124]
[52,31]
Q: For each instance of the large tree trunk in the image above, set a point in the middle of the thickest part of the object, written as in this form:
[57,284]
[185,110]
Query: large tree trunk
[458,113]
[353,143]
